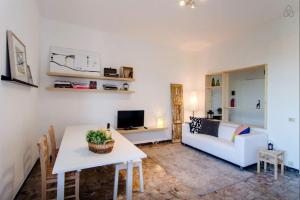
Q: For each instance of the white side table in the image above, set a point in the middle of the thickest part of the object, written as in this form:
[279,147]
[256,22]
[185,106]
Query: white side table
[274,157]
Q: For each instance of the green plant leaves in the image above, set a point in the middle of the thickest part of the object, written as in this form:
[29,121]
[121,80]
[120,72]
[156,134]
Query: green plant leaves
[97,137]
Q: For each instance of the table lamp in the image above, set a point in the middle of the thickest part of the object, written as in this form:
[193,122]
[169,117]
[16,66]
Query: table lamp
[194,102]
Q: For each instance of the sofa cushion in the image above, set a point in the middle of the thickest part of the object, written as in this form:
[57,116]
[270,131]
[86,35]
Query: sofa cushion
[241,130]
[195,124]
[226,131]
[209,127]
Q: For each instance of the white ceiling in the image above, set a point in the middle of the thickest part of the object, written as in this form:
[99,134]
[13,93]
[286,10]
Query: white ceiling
[165,22]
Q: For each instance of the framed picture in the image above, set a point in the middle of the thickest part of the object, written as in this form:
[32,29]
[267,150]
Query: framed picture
[126,72]
[29,75]
[17,57]
[74,62]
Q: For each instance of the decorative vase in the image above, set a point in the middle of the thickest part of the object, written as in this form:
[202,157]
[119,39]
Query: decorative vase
[232,102]
[213,82]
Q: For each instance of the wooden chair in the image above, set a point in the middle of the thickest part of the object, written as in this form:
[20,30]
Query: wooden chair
[49,180]
[123,166]
[54,149]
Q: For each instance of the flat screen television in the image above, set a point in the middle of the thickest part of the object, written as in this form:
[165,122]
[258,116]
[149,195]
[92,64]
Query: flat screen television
[129,119]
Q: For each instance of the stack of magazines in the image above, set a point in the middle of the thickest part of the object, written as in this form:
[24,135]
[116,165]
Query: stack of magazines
[69,84]
[63,84]
[79,85]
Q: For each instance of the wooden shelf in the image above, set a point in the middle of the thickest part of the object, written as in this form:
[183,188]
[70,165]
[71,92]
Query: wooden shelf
[90,77]
[228,107]
[214,87]
[53,89]
[140,130]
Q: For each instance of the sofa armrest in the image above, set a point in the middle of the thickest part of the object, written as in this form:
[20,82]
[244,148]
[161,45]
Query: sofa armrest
[248,146]
[185,130]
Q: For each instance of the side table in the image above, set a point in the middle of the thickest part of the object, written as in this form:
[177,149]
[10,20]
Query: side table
[274,157]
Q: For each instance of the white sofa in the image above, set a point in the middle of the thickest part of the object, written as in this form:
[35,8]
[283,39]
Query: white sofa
[242,152]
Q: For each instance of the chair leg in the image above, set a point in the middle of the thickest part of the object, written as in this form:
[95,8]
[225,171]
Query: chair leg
[141,177]
[77,178]
[116,183]
[44,192]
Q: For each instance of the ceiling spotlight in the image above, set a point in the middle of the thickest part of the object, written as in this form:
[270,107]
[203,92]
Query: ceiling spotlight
[190,3]
[182,3]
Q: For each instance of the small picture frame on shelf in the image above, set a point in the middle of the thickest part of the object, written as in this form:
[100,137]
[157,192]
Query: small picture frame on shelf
[126,72]
[17,57]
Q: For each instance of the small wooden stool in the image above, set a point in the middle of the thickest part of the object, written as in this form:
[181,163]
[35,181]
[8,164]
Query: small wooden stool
[274,157]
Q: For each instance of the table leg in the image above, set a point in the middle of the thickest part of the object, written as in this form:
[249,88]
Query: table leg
[129,180]
[60,186]
[275,170]
[265,166]
[282,168]
[258,166]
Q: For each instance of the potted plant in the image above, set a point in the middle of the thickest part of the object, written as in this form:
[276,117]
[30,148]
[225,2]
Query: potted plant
[219,110]
[99,141]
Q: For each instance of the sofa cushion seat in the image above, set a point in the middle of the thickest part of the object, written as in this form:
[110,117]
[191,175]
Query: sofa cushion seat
[213,145]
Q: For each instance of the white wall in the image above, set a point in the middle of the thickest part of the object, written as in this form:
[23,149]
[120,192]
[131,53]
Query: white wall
[249,87]
[18,119]
[155,67]
[275,44]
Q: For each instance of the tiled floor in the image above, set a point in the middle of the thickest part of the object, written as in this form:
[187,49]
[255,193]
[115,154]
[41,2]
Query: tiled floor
[162,181]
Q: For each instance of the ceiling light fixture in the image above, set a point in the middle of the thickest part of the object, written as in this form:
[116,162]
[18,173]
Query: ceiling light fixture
[189,3]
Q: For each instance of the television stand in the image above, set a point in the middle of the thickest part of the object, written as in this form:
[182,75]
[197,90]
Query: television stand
[142,135]
[141,129]
[131,128]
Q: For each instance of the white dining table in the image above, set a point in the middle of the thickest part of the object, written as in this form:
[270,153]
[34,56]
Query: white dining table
[74,155]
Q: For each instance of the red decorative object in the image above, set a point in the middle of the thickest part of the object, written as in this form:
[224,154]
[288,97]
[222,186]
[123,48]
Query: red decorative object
[232,102]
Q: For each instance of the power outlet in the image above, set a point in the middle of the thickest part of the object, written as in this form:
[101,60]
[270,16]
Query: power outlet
[291,119]
[290,163]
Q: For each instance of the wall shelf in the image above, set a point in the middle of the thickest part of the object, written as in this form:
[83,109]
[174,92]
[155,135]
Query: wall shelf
[228,107]
[90,77]
[53,89]
[9,79]
[213,87]
[140,130]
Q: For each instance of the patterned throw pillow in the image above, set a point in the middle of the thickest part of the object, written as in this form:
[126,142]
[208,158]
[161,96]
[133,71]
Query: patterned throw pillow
[195,125]
[241,130]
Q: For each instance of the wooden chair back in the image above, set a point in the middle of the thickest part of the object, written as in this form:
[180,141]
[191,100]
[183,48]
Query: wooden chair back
[52,143]
[44,156]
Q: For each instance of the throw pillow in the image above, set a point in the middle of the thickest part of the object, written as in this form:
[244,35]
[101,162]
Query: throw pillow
[210,127]
[241,130]
[195,124]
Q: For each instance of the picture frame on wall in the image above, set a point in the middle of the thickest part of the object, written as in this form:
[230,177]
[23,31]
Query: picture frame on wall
[17,57]
[29,75]
[126,72]
[74,62]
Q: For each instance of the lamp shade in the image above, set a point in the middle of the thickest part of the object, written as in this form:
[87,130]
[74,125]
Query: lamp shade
[160,122]
[194,100]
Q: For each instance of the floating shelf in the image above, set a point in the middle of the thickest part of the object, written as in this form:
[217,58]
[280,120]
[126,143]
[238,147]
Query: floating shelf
[142,129]
[9,79]
[214,87]
[90,77]
[53,89]
[228,107]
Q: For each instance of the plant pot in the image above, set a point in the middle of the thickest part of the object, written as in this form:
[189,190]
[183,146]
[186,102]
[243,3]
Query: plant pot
[102,148]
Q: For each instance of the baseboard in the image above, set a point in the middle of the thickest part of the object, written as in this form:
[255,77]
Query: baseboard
[24,181]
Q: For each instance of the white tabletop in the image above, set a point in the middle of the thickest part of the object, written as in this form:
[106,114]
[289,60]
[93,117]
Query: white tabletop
[74,153]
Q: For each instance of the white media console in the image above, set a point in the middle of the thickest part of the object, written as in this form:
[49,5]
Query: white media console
[143,135]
